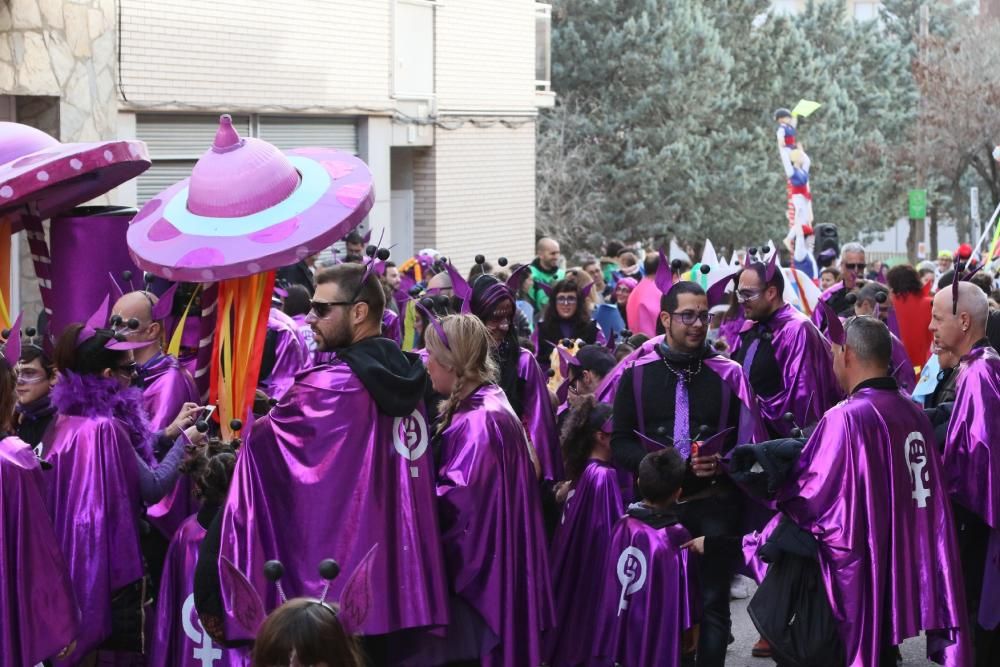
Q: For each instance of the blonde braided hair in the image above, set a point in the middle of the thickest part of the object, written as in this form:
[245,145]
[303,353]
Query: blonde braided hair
[467,354]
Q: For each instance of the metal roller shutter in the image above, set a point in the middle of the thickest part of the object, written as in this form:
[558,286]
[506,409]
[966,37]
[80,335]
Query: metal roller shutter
[176,141]
[287,132]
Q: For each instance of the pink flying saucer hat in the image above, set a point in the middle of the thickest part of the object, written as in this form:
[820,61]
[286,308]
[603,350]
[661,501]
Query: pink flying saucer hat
[248,208]
[54,177]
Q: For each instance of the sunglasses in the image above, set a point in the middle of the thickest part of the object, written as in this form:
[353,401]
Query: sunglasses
[745,295]
[566,300]
[855,267]
[322,308]
[129,369]
[689,317]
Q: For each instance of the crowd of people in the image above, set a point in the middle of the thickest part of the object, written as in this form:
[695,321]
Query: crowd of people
[555,463]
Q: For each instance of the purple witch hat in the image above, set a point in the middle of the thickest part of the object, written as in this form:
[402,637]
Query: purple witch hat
[835,328]
[249,208]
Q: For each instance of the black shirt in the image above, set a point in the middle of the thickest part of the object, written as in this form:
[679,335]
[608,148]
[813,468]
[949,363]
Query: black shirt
[659,384]
[765,374]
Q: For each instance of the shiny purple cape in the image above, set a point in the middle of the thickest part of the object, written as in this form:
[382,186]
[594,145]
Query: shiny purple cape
[869,486]
[491,523]
[648,598]
[972,467]
[819,314]
[809,386]
[581,542]
[326,475]
[178,639]
[902,367]
[392,327]
[729,331]
[539,416]
[93,497]
[291,354]
[166,388]
[751,544]
[38,613]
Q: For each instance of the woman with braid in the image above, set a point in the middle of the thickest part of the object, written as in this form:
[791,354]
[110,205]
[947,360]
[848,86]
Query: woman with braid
[489,506]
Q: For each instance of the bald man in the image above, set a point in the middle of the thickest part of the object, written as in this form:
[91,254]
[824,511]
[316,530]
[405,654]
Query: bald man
[971,466]
[869,487]
[166,386]
[544,269]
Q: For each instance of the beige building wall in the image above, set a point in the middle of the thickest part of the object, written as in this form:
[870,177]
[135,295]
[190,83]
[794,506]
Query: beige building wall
[476,192]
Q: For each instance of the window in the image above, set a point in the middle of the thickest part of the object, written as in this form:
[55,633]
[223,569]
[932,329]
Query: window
[785,7]
[543,46]
[176,141]
[866,11]
[413,49]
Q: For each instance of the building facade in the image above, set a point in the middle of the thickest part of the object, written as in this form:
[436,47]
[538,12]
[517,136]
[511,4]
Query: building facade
[439,98]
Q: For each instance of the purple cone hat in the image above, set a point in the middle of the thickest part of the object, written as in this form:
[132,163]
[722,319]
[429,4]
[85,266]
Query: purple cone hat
[248,208]
[54,177]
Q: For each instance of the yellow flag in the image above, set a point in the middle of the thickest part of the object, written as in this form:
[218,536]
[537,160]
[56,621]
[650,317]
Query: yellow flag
[805,107]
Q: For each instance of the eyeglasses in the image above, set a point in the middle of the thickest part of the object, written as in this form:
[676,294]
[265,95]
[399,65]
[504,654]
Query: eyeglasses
[689,317]
[746,295]
[322,308]
[566,300]
[855,267]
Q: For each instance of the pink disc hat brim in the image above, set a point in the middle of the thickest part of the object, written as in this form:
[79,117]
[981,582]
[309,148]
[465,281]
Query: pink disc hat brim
[333,197]
[56,179]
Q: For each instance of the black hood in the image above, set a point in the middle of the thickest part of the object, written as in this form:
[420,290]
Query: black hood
[395,379]
[652,517]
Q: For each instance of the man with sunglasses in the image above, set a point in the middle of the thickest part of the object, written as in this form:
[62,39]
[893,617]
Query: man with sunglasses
[680,392]
[852,274]
[166,385]
[339,465]
[784,356]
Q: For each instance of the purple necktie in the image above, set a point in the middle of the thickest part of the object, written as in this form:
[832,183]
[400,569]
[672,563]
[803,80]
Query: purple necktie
[751,353]
[682,427]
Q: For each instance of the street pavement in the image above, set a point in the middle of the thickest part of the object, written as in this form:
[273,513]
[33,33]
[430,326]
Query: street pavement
[746,634]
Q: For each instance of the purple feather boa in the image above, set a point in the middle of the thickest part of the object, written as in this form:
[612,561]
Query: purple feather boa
[96,396]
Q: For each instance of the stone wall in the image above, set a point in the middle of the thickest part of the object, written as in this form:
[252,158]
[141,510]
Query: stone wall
[59,58]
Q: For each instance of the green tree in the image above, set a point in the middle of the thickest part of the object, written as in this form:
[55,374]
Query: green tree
[675,99]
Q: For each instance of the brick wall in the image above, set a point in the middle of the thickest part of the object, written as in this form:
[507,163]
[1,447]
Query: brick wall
[486,55]
[484,193]
[293,53]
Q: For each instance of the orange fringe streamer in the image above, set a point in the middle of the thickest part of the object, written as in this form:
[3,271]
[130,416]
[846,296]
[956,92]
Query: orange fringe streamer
[240,330]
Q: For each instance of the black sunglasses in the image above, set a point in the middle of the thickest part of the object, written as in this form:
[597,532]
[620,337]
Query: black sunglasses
[855,267]
[323,308]
[128,369]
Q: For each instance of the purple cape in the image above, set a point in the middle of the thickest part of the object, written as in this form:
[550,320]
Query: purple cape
[38,613]
[868,486]
[972,468]
[902,367]
[166,388]
[581,541]
[392,326]
[648,598]
[539,417]
[327,475]
[291,355]
[93,497]
[809,386]
[178,639]
[492,533]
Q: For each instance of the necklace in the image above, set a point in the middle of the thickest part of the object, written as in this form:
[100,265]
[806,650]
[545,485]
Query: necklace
[683,374]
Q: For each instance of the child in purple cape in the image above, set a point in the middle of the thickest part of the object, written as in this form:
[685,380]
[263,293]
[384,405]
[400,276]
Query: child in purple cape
[593,504]
[178,639]
[650,597]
